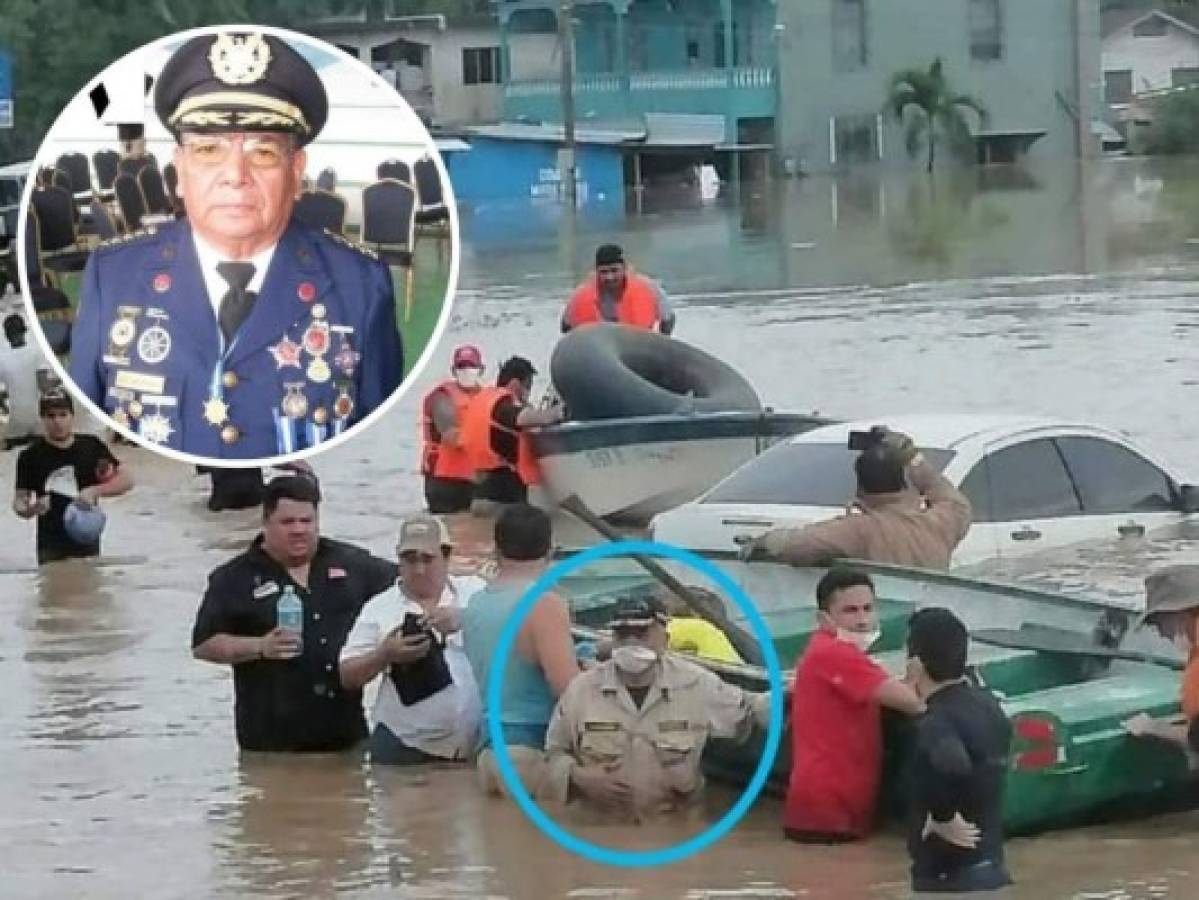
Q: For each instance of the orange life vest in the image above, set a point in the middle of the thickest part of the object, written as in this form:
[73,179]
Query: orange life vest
[476,438]
[438,458]
[638,304]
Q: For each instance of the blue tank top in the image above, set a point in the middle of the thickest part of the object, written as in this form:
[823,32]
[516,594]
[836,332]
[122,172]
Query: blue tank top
[527,701]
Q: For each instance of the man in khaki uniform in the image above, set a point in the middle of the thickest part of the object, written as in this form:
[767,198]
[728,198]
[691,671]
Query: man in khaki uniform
[888,521]
[627,735]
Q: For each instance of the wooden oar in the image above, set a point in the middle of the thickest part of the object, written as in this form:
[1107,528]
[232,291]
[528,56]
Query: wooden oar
[743,642]
[1045,640]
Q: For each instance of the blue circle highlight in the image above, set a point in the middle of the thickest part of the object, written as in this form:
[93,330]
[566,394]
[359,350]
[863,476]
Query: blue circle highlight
[493,700]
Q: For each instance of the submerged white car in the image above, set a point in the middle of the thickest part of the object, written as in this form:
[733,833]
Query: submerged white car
[1034,484]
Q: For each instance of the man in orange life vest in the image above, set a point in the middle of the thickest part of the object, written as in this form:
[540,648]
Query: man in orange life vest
[444,462]
[614,294]
[495,436]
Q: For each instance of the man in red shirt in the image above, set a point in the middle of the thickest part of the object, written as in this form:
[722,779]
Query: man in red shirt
[836,729]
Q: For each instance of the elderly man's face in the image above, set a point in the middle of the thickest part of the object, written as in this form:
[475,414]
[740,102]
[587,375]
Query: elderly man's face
[239,189]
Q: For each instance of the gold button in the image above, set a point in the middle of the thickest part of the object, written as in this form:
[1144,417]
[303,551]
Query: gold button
[135,409]
[230,434]
[320,415]
[229,380]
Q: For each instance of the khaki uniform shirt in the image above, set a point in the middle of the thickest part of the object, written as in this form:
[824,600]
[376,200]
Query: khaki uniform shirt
[656,748]
[901,528]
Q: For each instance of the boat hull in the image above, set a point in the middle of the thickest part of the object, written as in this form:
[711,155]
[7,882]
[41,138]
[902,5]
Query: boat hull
[632,469]
[1094,767]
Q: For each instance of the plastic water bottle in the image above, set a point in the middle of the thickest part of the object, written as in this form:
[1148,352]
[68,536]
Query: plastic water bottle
[289,613]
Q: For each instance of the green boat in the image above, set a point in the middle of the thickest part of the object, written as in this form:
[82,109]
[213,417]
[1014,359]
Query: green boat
[1037,651]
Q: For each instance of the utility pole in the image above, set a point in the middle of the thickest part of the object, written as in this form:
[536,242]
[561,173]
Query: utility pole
[566,160]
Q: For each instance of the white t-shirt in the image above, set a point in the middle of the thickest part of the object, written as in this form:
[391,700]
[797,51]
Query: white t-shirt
[445,724]
[18,371]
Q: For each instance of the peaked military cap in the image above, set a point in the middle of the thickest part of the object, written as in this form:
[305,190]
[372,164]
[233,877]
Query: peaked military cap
[240,81]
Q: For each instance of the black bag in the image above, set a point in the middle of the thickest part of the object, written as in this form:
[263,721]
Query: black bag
[430,674]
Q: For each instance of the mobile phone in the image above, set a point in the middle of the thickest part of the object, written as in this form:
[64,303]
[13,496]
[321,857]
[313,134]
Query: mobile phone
[413,624]
[863,440]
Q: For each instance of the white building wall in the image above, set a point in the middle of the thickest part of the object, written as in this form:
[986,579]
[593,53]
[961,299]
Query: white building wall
[1151,59]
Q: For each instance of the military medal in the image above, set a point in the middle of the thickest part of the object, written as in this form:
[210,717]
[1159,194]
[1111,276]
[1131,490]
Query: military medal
[135,409]
[295,404]
[344,405]
[346,359]
[306,291]
[154,345]
[318,311]
[286,353]
[156,428]
[316,338]
[216,411]
[162,283]
[120,416]
[121,335]
[318,370]
[320,415]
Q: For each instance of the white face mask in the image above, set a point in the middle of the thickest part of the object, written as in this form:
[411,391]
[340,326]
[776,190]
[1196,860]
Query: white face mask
[634,659]
[863,640]
[468,378]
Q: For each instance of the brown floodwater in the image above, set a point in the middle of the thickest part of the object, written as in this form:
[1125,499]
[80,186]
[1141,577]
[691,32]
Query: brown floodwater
[121,777]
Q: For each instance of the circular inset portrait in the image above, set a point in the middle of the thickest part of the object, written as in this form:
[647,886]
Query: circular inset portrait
[240,244]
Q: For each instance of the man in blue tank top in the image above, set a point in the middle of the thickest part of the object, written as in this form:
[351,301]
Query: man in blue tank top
[542,662]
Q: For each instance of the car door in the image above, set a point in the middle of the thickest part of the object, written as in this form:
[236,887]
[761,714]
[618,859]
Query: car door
[1122,493]
[1023,499]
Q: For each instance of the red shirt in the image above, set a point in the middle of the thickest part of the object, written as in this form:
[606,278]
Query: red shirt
[836,739]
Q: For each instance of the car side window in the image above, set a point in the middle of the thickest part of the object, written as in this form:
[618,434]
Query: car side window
[1114,479]
[1021,482]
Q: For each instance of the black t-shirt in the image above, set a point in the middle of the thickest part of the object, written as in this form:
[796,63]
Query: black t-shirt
[959,765]
[504,438]
[297,704]
[62,472]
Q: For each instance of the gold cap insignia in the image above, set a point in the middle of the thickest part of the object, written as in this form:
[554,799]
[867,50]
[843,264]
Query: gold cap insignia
[239,59]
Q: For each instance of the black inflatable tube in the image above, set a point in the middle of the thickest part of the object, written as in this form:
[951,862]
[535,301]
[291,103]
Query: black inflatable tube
[608,371]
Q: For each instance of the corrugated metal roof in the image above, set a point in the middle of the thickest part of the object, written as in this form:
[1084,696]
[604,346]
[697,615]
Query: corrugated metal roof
[684,130]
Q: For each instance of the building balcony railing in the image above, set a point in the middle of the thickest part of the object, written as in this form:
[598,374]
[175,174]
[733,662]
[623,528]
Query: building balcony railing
[747,77]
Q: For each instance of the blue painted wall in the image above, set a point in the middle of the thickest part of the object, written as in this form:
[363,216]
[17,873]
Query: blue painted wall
[497,169]
[6,92]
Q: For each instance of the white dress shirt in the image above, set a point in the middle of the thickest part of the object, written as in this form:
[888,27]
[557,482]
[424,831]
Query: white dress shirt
[217,286]
[446,723]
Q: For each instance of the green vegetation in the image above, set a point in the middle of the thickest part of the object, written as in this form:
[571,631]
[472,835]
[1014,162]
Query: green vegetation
[924,102]
[1175,128]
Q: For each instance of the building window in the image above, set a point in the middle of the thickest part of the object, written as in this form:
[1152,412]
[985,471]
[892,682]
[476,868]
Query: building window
[1117,86]
[986,30]
[1183,77]
[481,65]
[850,50]
[855,139]
[1151,26]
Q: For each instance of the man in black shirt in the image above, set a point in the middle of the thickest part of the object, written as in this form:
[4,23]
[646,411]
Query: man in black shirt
[955,834]
[288,695]
[59,468]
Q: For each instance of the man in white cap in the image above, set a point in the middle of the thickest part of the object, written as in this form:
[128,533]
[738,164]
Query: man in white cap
[444,462]
[1172,608]
[426,707]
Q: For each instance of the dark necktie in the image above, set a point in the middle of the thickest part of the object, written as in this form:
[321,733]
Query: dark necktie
[236,303]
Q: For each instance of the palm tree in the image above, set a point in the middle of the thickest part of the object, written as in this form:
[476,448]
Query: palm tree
[925,104]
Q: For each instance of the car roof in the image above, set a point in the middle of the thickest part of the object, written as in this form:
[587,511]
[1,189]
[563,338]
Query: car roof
[945,430]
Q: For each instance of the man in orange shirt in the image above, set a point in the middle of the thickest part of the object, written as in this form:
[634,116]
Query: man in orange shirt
[614,294]
[1172,607]
[444,460]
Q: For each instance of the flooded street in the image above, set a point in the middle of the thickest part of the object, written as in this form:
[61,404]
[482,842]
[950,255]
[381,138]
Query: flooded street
[1050,292]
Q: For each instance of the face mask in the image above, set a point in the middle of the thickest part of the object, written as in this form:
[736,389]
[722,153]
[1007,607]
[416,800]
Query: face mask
[863,640]
[634,659]
[468,378]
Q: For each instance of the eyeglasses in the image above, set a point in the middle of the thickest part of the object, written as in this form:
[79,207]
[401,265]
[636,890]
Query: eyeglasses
[214,150]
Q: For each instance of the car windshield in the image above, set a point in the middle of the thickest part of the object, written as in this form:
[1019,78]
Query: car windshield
[802,474]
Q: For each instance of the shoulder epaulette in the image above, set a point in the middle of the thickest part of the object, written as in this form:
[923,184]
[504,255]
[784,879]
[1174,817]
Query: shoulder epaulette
[353,245]
[122,239]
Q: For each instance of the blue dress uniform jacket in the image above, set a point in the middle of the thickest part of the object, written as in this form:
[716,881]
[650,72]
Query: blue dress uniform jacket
[319,350]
